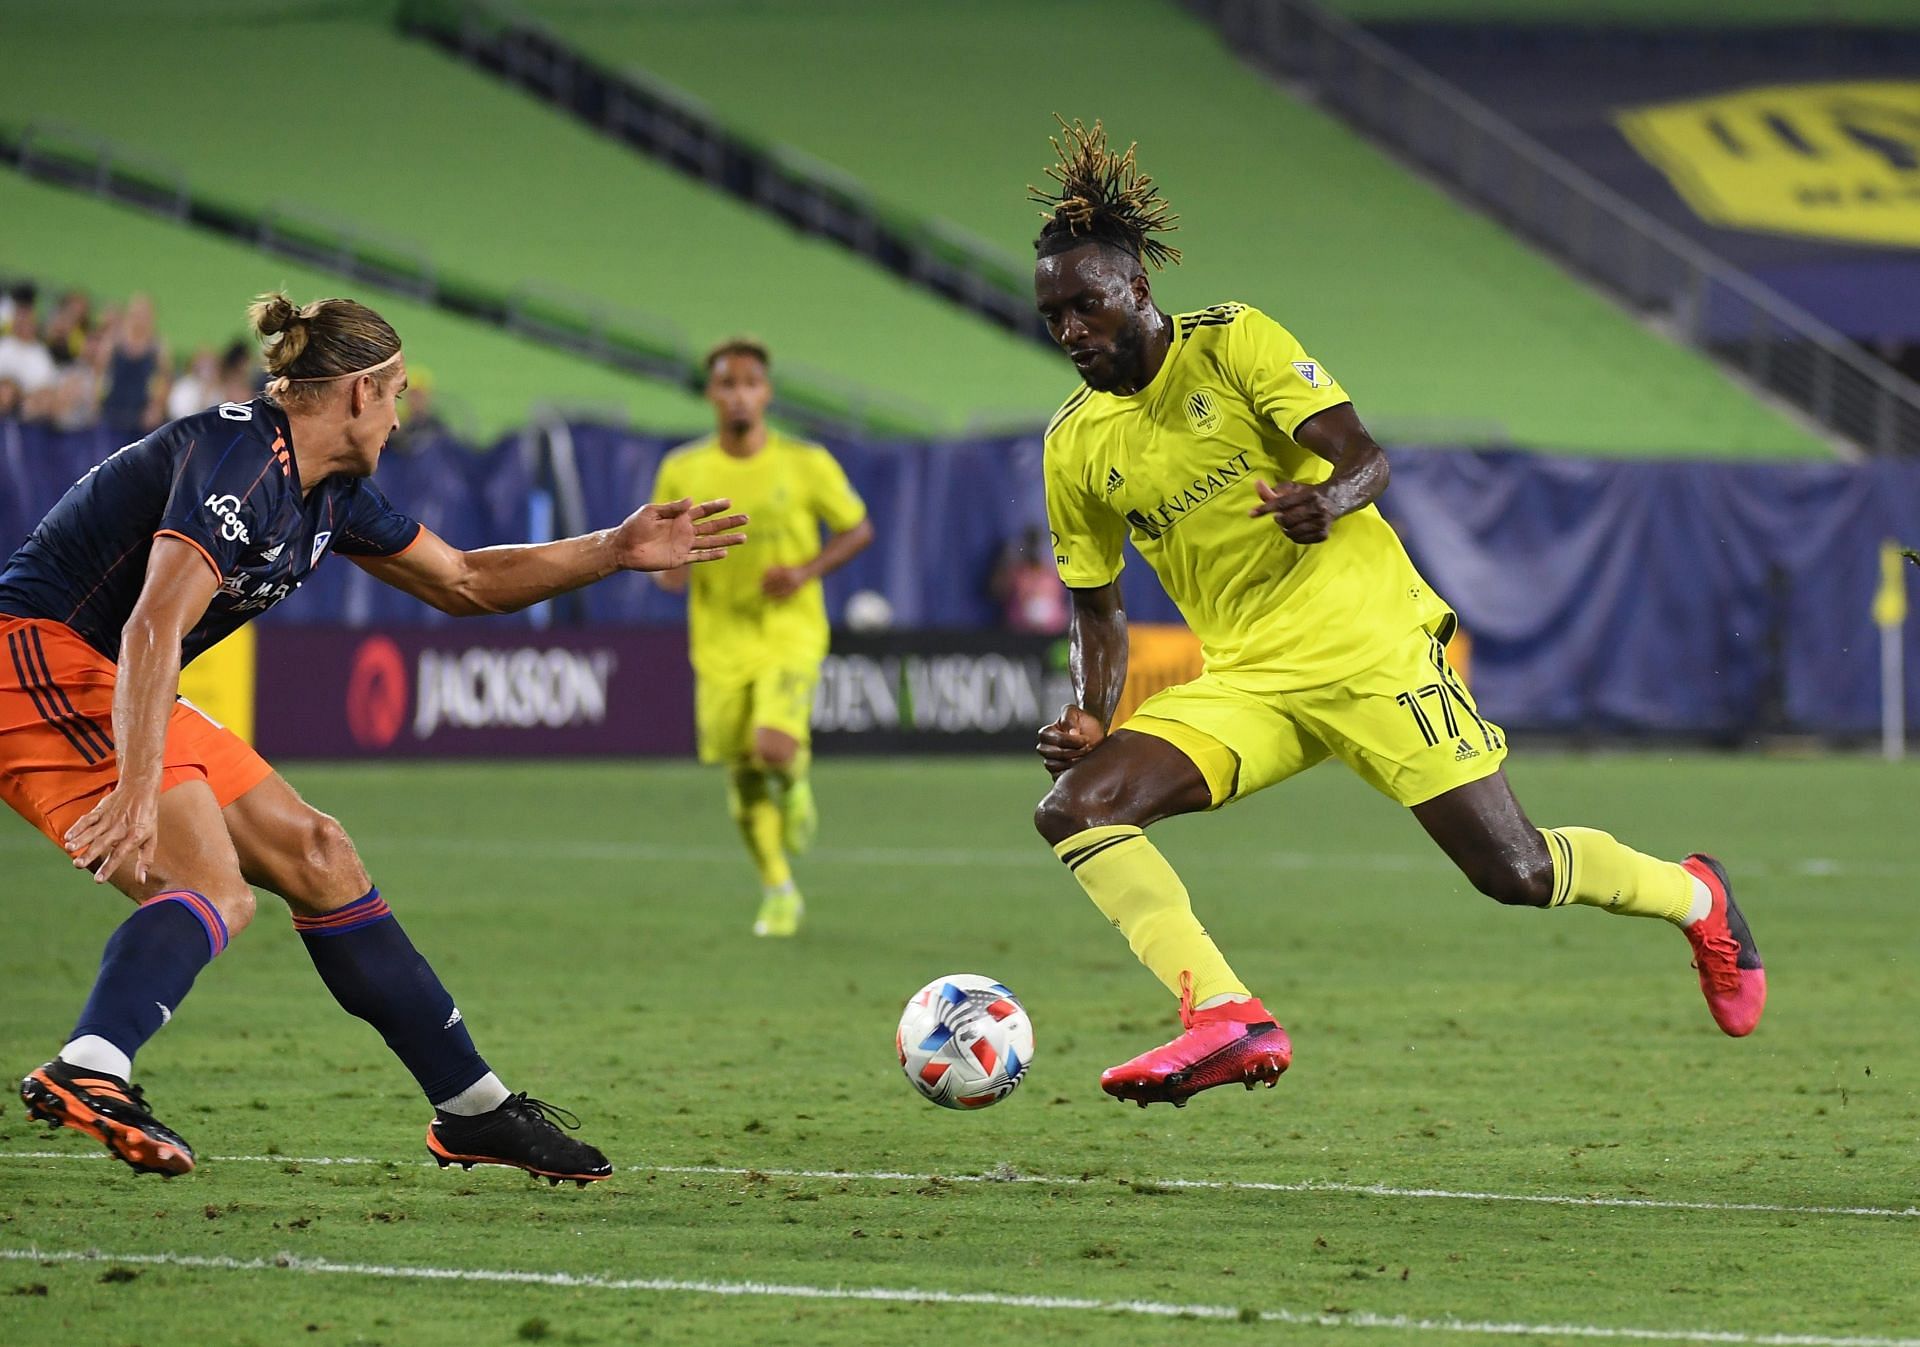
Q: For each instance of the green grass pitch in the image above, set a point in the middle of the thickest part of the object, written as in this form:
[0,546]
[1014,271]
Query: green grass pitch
[1455,1062]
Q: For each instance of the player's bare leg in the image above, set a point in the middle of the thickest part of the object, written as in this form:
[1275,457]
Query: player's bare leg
[287,846]
[192,901]
[1485,832]
[1095,817]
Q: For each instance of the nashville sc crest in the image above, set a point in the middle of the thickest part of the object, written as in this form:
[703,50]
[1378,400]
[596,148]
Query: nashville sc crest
[1203,412]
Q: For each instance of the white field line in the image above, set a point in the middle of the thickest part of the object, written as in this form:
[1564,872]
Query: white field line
[920,1296]
[1081,1181]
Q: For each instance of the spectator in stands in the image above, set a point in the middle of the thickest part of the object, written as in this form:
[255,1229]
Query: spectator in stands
[10,400]
[76,395]
[419,418]
[24,361]
[136,372]
[69,327]
[198,388]
[1028,588]
[241,377]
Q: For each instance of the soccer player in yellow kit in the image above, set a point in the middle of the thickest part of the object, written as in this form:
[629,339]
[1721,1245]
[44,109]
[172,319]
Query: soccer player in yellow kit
[758,627]
[1236,464]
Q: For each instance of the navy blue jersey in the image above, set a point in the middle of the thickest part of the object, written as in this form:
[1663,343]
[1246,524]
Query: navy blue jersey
[223,480]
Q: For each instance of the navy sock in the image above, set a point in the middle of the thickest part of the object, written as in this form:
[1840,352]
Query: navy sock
[148,968]
[376,974]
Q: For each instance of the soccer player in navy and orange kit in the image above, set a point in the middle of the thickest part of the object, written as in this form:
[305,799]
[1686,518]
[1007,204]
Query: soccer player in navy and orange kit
[1237,466]
[152,557]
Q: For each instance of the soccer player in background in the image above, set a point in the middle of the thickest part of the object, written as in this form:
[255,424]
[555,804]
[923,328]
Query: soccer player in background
[757,629]
[1239,469]
[152,557]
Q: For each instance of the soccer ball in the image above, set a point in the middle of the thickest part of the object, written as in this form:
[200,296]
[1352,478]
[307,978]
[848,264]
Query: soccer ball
[965,1041]
[867,610]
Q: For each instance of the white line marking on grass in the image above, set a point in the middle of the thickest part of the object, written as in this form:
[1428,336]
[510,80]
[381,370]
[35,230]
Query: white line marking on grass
[921,1296]
[1081,1181]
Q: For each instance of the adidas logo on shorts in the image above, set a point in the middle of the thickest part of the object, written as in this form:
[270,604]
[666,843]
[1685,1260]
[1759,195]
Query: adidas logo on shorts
[1465,752]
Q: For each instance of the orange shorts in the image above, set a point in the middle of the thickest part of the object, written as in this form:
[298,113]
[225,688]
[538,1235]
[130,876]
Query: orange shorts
[56,725]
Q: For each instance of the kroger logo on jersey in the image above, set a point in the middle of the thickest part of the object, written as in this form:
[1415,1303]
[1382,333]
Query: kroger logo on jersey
[227,510]
[1158,521]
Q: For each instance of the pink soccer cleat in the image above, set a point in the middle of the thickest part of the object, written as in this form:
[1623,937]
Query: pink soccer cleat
[1238,1041]
[1731,977]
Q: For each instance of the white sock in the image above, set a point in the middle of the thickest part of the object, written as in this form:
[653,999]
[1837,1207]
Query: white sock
[90,1052]
[483,1096]
[1702,903]
[1225,998]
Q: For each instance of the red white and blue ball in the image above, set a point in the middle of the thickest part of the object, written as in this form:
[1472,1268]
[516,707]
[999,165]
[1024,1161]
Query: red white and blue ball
[965,1041]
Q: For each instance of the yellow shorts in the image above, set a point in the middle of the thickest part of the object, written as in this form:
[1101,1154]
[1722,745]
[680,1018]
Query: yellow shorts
[1408,726]
[725,715]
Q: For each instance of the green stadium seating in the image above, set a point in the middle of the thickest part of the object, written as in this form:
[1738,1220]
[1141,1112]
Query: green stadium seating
[487,381]
[1444,328]
[1441,325]
[492,184]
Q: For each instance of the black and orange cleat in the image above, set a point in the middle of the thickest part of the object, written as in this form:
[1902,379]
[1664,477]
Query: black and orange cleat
[109,1110]
[522,1133]
[1731,976]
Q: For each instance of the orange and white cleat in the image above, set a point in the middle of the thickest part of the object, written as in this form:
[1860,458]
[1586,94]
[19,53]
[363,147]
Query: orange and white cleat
[1731,976]
[109,1110]
[1237,1042]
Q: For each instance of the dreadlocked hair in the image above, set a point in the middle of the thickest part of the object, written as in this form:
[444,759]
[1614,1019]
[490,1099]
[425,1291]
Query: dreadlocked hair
[1103,197]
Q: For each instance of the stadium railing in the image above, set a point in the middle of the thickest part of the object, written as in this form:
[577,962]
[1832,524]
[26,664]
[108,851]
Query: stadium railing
[635,343]
[1765,339]
[680,131]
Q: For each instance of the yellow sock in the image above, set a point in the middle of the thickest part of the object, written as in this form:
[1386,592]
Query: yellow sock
[750,801]
[1130,881]
[1590,867]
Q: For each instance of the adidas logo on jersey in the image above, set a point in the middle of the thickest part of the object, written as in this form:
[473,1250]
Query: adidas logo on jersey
[1114,480]
[273,553]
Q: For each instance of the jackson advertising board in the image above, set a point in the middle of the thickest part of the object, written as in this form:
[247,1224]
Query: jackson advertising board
[447,693]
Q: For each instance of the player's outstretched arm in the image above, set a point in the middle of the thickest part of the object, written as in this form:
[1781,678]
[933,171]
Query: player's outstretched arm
[1097,661]
[121,832]
[1306,513]
[507,579]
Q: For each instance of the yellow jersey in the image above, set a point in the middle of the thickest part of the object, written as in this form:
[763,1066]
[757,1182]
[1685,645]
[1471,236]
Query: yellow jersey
[1173,467]
[789,488]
